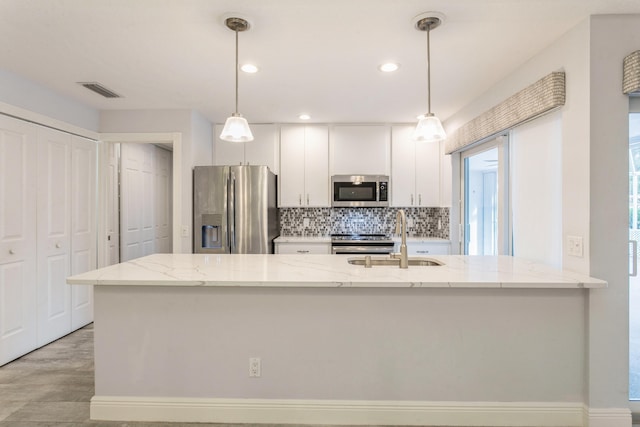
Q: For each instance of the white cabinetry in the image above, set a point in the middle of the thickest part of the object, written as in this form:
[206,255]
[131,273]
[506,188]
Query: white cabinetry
[304,166]
[415,170]
[47,231]
[303,248]
[263,150]
[360,150]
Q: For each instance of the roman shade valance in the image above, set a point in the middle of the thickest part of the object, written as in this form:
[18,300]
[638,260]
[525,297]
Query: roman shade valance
[541,97]
[631,74]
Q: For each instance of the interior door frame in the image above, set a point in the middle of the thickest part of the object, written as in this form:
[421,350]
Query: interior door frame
[634,405]
[175,140]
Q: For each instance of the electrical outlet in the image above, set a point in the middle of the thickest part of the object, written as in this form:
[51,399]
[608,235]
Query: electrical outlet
[575,246]
[255,369]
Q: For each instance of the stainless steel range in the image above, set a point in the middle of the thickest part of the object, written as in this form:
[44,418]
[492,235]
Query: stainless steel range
[361,244]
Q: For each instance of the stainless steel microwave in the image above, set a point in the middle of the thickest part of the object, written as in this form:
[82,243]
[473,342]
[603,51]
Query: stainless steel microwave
[359,191]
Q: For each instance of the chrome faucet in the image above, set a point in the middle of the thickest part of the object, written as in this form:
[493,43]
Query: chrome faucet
[401,227]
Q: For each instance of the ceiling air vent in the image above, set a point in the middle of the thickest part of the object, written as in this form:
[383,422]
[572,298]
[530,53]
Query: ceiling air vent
[99,89]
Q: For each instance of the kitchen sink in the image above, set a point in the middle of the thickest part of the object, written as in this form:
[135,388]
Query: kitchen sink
[368,261]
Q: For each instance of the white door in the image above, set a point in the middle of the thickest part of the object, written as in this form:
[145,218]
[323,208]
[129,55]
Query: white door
[83,226]
[53,230]
[17,239]
[136,201]
[145,200]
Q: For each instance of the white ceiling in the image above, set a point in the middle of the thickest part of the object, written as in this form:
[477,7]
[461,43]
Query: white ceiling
[315,56]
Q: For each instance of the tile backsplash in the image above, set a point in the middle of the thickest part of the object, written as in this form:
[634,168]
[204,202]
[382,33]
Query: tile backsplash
[421,222]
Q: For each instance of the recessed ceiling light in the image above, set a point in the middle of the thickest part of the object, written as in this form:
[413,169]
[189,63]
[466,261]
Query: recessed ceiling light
[389,67]
[249,68]
[304,117]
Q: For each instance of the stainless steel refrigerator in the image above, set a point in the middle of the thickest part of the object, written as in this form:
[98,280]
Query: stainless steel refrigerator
[234,209]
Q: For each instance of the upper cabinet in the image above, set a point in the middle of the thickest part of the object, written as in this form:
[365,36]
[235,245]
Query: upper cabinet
[360,150]
[415,166]
[263,150]
[304,166]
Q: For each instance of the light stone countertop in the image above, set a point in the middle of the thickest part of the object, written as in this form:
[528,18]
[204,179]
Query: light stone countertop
[300,271]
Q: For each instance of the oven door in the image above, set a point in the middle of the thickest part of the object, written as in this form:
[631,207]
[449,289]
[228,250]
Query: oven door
[347,194]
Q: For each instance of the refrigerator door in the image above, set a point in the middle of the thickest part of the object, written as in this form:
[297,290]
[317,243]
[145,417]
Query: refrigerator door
[251,216]
[210,215]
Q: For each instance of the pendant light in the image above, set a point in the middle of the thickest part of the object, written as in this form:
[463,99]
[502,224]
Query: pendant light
[236,128]
[429,128]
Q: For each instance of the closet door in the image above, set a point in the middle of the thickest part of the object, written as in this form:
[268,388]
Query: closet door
[17,239]
[54,241]
[83,227]
[137,225]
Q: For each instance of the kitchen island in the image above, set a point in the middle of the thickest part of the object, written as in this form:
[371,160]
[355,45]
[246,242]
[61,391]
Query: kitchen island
[477,341]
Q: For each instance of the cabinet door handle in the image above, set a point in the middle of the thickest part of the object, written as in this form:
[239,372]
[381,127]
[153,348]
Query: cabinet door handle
[300,199]
[11,251]
[58,245]
[419,199]
[412,200]
[300,251]
[307,199]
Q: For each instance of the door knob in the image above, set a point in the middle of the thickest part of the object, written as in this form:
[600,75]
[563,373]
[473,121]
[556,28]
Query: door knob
[58,245]
[11,251]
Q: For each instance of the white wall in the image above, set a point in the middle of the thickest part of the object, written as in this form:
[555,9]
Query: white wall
[594,180]
[536,196]
[196,145]
[612,38]
[571,55]
[471,345]
[26,94]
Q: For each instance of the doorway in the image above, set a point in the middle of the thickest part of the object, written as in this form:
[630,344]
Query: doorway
[168,234]
[634,237]
[145,200]
[485,199]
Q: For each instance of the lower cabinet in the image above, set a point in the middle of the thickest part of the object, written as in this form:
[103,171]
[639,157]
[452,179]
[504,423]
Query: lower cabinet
[47,232]
[303,248]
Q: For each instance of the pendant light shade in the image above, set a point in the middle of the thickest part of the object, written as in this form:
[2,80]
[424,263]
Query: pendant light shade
[429,127]
[236,128]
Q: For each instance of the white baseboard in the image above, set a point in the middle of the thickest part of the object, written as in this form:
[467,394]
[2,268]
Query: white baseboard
[538,414]
[608,417]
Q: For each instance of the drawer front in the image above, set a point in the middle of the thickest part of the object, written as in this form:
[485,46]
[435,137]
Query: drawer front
[424,249]
[303,248]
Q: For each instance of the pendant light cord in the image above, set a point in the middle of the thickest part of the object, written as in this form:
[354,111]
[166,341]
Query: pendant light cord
[428,71]
[236,31]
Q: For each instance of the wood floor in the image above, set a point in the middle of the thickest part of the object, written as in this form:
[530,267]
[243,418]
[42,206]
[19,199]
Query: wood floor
[52,387]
